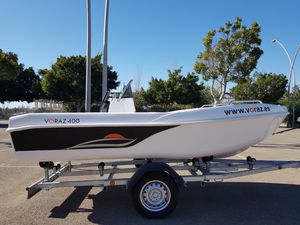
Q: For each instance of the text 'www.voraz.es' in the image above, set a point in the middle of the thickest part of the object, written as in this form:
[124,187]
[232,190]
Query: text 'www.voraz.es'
[247,110]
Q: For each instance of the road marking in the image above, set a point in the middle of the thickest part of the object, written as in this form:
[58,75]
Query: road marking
[241,157]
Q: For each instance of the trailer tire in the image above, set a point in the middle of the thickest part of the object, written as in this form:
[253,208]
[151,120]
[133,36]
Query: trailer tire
[155,195]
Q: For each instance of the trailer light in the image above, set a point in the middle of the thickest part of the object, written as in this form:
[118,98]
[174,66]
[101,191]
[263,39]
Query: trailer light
[112,183]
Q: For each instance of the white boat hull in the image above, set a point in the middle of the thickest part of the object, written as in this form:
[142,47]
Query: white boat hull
[216,131]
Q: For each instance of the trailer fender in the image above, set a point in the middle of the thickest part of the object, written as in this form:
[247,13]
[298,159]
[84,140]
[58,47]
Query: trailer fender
[155,167]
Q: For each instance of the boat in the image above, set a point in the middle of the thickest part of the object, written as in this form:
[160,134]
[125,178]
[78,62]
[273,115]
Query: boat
[210,131]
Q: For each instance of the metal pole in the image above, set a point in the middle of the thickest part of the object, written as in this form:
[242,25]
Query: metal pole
[290,61]
[88,60]
[292,75]
[294,85]
[104,71]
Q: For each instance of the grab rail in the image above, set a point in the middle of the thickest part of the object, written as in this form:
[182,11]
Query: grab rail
[213,105]
[245,101]
[232,102]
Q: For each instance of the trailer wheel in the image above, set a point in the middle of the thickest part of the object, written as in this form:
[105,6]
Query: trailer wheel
[155,195]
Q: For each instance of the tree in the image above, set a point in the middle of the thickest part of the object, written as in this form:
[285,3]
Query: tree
[65,81]
[267,87]
[26,87]
[139,100]
[9,66]
[184,90]
[178,89]
[156,93]
[9,70]
[295,93]
[231,53]
[96,89]
[7,89]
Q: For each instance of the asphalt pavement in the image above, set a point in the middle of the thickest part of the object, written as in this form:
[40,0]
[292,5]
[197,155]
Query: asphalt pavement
[268,198]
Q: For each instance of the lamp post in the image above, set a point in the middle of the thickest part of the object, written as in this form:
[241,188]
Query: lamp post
[294,86]
[104,68]
[88,60]
[292,75]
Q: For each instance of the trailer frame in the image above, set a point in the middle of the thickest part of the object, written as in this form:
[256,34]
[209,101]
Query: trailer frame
[216,170]
[181,171]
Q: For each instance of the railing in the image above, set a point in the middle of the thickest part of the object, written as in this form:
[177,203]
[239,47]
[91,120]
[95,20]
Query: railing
[245,101]
[233,102]
[213,105]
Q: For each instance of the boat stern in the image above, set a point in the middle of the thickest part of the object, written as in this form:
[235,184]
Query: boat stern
[21,122]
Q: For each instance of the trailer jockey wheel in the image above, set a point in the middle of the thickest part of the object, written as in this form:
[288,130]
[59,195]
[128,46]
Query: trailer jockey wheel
[155,195]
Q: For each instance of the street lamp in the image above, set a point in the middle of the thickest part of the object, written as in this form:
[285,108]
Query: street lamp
[104,68]
[88,59]
[292,75]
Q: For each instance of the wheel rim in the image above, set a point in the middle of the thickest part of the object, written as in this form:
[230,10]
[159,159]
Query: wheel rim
[155,195]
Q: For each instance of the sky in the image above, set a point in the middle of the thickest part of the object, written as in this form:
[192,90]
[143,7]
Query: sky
[145,37]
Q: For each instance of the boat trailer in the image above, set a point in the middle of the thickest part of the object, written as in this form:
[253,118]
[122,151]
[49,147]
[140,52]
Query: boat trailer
[154,184]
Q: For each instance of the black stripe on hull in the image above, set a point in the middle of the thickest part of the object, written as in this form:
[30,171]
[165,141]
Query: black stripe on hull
[60,138]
